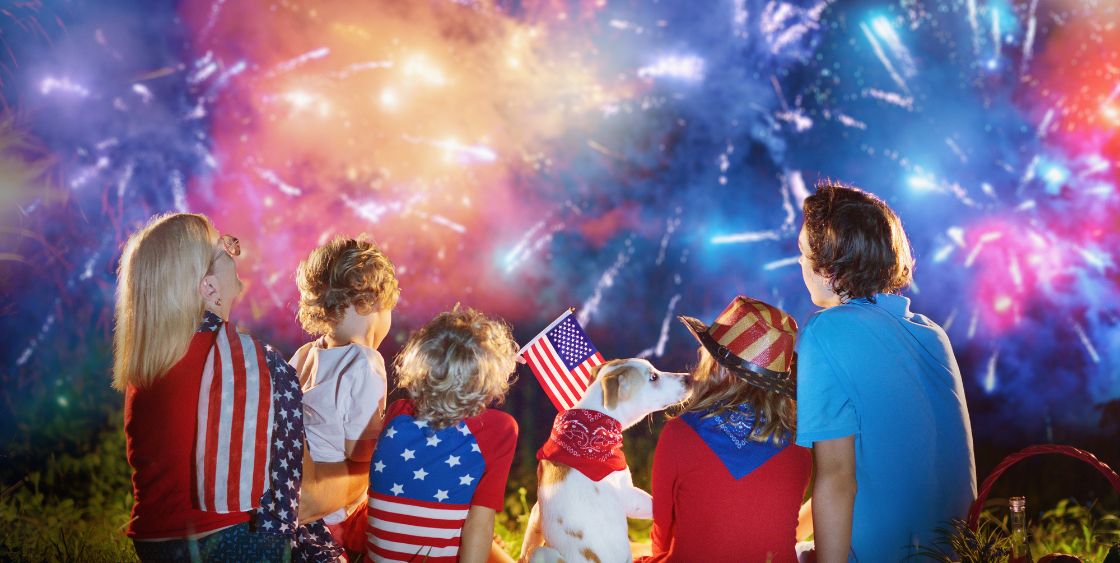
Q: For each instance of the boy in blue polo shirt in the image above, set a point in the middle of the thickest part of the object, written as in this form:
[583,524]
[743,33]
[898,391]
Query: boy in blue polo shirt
[880,397]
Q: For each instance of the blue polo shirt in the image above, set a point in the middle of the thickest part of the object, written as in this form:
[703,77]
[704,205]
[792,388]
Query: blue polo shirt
[887,376]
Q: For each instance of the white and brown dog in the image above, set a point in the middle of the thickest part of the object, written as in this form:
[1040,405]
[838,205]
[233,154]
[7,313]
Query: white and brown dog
[584,488]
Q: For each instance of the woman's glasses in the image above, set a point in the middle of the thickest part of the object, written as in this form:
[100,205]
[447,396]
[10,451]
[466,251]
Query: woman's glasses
[230,244]
[227,244]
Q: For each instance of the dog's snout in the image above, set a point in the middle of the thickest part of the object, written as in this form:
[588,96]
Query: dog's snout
[685,378]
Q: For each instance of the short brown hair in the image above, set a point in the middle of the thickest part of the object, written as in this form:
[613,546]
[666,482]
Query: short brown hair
[856,241]
[339,274]
[457,365]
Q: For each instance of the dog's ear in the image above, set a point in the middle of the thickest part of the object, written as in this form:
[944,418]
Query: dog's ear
[610,390]
[628,378]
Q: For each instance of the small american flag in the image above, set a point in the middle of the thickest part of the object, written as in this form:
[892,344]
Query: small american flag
[421,486]
[234,425]
[562,358]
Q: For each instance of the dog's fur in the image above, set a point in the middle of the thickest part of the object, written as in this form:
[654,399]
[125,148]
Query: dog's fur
[577,519]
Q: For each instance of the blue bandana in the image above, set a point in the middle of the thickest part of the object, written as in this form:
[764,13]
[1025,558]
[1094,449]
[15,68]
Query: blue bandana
[728,436]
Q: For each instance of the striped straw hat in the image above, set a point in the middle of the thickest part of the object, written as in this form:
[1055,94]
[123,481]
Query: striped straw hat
[754,340]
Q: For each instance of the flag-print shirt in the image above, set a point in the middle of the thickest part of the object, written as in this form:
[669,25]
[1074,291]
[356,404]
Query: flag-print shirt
[160,423]
[422,482]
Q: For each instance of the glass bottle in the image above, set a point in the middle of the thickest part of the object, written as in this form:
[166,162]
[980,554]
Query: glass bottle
[1113,554]
[1020,544]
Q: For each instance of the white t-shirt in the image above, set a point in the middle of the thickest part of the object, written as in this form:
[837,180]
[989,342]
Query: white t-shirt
[343,390]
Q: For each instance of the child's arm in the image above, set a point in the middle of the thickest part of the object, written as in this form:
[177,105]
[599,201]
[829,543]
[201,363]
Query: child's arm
[365,411]
[478,535]
[360,451]
[327,487]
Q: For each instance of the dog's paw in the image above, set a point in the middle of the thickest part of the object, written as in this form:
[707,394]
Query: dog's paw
[545,554]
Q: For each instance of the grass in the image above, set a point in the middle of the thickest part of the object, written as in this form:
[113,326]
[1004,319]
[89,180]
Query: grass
[74,509]
[1069,528]
[75,506]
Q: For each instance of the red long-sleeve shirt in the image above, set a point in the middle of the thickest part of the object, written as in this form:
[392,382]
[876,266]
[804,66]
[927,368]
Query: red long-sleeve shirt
[159,424]
[702,513]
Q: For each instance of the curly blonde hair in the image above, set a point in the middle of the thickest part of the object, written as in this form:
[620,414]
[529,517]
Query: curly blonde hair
[717,389]
[339,274]
[456,365]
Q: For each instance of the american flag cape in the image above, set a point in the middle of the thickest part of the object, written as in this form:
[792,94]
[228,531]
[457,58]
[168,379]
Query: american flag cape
[248,441]
[562,357]
[421,486]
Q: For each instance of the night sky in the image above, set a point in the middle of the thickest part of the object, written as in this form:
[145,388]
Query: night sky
[634,160]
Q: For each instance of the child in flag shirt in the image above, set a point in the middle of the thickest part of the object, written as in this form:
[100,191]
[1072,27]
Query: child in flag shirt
[347,293]
[441,463]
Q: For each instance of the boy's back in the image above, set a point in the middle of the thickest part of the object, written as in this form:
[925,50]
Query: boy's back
[888,377]
[343,390]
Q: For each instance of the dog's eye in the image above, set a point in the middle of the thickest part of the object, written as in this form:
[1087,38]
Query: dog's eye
[653,377]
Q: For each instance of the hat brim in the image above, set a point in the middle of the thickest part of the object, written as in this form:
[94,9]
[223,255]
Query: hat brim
[695,326]
[752,373]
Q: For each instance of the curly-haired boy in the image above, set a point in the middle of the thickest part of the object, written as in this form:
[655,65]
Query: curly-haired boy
[347,293]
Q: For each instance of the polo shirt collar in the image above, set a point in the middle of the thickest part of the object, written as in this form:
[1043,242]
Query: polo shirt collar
[896,305]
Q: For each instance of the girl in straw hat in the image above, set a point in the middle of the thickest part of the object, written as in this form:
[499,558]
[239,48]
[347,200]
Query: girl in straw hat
[727,480]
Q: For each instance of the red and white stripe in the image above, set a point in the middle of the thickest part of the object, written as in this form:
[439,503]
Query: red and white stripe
[402,529]
[234,425]
[564,388]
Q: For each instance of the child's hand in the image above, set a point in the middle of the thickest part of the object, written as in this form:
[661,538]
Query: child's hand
[520,359]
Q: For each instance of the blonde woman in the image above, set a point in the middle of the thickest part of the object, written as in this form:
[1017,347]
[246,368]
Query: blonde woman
[440,466]
[211,416]
[727,480]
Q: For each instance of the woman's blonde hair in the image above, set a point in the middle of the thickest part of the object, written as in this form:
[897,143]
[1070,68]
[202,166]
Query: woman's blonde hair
[717,389]
[341,273]
[158,302]
[456,365]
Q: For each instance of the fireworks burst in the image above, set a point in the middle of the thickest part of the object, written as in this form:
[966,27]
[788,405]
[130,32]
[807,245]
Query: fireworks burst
[637,163]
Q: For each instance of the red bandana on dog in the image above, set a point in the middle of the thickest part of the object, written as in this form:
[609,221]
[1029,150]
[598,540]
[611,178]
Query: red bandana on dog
[588,441]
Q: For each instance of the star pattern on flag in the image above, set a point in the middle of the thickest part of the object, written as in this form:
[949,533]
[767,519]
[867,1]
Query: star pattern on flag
[571,342]
[313,543]
[280,501]
[444,468]
[563,358]
[210,322]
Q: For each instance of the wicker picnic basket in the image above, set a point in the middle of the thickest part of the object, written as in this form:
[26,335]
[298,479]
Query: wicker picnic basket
[1031,451]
